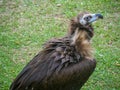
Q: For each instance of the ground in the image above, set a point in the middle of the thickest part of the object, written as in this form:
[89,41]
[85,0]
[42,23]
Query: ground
[26,24]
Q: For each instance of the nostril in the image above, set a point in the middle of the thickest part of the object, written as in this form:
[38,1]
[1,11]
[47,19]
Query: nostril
[90,17]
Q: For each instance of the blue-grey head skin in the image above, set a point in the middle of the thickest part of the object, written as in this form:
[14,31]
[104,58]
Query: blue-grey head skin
[89,18]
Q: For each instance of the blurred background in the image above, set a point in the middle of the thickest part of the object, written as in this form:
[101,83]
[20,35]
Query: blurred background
[26,24]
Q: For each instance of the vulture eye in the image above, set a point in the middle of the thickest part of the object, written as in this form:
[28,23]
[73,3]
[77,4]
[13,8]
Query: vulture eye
[88,18]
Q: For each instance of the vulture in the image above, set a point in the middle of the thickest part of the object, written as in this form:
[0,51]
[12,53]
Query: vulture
[64,63]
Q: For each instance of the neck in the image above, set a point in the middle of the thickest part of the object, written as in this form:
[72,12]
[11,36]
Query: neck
[80,38]
[81,41]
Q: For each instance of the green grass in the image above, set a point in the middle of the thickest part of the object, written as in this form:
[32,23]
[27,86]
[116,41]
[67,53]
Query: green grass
[26,24]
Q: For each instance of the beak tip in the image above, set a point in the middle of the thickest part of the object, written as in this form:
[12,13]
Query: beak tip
[99,16]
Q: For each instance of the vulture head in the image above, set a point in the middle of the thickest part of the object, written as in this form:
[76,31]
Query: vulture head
[87,19]
[84,21]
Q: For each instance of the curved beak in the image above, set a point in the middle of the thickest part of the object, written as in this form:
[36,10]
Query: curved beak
[95,17]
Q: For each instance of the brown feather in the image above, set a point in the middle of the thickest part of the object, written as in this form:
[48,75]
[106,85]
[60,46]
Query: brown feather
[63,64]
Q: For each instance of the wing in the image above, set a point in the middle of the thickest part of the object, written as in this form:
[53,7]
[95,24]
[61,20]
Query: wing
[41,67]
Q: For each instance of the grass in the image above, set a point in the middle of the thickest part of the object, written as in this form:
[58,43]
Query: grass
[26,24]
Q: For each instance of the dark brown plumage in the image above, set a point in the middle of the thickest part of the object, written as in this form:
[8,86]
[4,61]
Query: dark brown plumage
[63,64]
